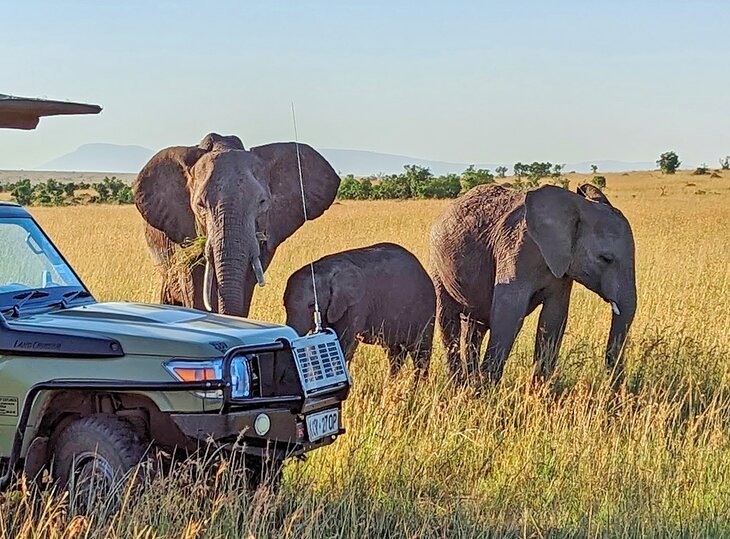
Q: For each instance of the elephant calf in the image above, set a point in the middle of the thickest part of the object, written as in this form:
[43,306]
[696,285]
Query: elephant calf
[379,294]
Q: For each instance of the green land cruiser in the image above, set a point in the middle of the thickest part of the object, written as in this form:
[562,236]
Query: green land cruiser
[88,390]
[89,387]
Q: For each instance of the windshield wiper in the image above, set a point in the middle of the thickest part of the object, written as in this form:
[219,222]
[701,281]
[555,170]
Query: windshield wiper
[68,297]
[24,297]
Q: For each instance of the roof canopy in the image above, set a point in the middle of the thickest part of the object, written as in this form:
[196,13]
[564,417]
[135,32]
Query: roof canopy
[25,112]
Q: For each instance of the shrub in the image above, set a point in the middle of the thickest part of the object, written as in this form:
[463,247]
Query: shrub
[563,182]
[472,177]
[112,190]
[702,170]
[501,171]
[448,186]
[725,163]
[349,188]
[417,180]
[54,193]
[393,186]
[599,181]
[22,192]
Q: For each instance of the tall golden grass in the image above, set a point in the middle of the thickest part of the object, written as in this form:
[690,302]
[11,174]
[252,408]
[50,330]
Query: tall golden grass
[569,458]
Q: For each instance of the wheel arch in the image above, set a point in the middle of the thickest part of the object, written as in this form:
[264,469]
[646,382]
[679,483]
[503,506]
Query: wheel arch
[58,408]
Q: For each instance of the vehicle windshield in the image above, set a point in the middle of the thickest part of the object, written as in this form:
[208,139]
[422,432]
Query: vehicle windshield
[29,262]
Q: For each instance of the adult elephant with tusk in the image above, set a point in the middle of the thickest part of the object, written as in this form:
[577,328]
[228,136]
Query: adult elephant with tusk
[497,254]
[244,202]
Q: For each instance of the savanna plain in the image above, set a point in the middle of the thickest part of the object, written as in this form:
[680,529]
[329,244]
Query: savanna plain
[568,458]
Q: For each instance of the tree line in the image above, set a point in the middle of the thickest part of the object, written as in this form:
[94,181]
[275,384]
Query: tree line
[55,193]
[419,182]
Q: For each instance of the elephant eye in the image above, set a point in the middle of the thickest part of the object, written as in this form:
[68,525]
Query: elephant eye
[606,259]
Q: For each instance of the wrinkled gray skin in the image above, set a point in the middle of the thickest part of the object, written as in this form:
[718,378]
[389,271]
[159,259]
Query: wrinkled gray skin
[497,254]
[245,202]
[377,295]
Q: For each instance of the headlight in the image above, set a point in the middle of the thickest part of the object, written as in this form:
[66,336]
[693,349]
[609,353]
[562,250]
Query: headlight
[240,378]
[188,370]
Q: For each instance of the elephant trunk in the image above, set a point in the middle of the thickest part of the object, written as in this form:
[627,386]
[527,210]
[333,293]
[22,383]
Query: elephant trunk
[299,319]
[624,309]
[235,253]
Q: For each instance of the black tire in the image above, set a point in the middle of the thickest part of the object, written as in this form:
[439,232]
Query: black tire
[94,454]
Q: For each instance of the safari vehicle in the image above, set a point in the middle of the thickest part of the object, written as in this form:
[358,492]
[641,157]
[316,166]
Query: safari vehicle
[88,390]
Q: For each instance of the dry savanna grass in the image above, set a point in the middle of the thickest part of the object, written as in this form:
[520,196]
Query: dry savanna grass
[569,458]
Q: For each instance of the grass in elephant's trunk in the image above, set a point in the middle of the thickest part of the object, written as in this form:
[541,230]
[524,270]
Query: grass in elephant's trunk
[189,254]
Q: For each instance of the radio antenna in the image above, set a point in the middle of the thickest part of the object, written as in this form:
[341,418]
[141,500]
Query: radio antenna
[317,312]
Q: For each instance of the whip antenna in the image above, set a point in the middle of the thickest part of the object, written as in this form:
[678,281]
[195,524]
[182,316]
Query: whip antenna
[317,312]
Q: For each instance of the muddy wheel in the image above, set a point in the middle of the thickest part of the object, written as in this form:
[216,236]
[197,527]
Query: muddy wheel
[93,457]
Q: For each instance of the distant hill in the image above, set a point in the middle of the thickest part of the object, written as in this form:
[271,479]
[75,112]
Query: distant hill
[99,157]
[364,163]
[116,158]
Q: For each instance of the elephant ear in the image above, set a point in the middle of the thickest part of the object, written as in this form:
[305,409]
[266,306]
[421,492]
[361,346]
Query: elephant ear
[593,193]
[346,290]
[552,220]
[161,192]
[320,186]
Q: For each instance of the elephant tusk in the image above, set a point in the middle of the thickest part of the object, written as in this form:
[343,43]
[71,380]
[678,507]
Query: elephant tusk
[208,287]
[258,271]
[615,309]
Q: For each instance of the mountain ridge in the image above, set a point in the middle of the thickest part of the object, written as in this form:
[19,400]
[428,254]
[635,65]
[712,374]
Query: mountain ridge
[105,157]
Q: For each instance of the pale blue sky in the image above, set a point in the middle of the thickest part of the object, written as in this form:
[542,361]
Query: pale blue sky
[561,80]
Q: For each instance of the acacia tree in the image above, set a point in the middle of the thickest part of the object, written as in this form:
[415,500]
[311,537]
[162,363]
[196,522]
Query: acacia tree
[520,170]
[594,169]
[668,162]
[501,171]
[557,176]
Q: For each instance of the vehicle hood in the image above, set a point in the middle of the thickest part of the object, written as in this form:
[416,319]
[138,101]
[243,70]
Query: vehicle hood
[160,330]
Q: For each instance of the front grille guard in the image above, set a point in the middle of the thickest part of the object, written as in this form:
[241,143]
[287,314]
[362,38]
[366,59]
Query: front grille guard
[336,377]
[320,362]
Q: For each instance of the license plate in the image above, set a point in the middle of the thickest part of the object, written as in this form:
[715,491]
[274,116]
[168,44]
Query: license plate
[323,424]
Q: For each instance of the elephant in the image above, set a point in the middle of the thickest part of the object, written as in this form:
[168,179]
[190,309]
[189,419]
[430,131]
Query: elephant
[379,294]
[498,253]
[244,202]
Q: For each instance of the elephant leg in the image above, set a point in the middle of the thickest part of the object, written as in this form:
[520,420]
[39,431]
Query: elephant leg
[550,330]
[508,314]
[396,358]
[192,287]
[348,339]
[349,348]
[420,352]
[472,332]
[448,313]
[167,296]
